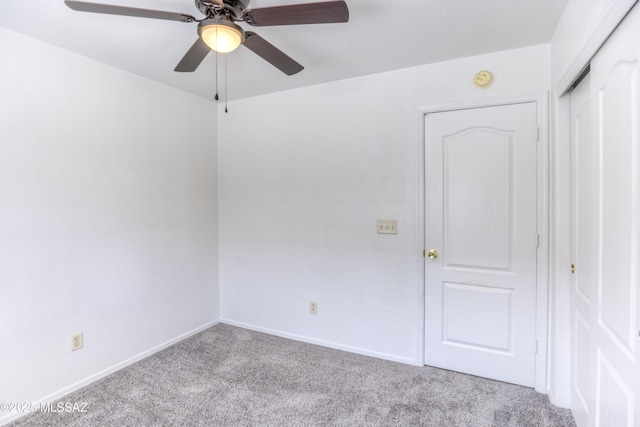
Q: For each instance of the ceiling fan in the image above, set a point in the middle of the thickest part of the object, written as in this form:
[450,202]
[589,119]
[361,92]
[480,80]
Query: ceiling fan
[218,29]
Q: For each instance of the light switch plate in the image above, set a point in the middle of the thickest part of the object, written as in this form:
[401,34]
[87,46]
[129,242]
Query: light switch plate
[387,226]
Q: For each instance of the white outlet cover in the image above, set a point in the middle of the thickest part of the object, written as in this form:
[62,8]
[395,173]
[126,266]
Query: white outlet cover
[313,307]
[77,341]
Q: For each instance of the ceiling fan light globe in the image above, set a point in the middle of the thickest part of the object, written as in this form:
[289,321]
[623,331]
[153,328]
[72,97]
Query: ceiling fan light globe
[220,35]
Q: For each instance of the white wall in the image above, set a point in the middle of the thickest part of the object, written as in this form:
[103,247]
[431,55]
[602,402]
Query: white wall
[304,175]
[108,217]
[584,26]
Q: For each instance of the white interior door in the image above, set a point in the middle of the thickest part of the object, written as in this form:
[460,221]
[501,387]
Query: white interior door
[606,224]
[481,218]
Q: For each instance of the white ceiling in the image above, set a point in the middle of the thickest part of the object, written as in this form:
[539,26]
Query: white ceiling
[381,35]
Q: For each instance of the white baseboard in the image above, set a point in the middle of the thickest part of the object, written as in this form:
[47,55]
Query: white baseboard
[12,416]
[323,343]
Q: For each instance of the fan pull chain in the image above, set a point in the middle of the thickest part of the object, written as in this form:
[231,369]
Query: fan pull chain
[217,97]
[226,86]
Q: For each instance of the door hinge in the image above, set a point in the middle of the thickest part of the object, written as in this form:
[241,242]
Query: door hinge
[538,241]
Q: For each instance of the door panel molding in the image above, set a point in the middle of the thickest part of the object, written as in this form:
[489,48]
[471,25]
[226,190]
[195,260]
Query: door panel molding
[614,398]
[464,298]
[464,249]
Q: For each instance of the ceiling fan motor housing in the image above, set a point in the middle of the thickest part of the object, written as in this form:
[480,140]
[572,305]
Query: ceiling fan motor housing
[234,7]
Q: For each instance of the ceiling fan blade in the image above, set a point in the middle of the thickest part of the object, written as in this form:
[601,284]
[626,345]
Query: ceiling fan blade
[271,54]
[309,13]
[194,56]
[127,11]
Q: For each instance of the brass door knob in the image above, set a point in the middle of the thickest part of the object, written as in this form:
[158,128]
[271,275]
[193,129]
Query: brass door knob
[433,254]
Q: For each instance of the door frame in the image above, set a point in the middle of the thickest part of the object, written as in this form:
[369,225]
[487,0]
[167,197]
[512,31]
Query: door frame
[542,269]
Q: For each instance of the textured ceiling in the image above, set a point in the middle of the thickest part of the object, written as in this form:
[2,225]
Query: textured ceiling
[381,35]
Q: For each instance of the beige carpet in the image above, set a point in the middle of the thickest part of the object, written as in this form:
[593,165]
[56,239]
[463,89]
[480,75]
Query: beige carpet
[228,376]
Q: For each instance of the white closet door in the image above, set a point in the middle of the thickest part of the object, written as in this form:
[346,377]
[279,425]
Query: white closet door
[615,97]
[584,244]
[606,235]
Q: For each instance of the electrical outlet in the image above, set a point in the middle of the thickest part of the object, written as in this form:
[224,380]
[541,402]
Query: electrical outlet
[387,226]
[313,307]
[76,342]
